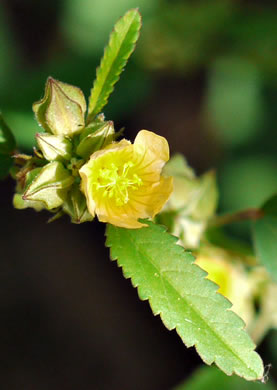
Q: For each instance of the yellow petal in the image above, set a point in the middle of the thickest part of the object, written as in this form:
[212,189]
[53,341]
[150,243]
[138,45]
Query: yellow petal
[85,188]
[123,183]
[153,144]
[119,216]
[155,197]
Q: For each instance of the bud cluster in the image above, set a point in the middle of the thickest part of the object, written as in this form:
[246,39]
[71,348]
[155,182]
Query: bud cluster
[50,178]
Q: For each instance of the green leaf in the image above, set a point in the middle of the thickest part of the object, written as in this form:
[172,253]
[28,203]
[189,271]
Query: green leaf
[7,145]
[177,290]
[7,141]
[265,237]
[207,378]
[270,206]
[121,45]
[265,243]
[5,165]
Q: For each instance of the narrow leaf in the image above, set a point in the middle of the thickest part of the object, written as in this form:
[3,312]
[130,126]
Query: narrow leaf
[177,290]
[121,45]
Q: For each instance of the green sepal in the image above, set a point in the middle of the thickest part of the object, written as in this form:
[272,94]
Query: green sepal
[75,206]
[97,139]
[177,166]
[7,145]
[50,186]
[98,122]
[21,204]
[54,147]
[61,111]
[57,215]
[21,158]
[207,198]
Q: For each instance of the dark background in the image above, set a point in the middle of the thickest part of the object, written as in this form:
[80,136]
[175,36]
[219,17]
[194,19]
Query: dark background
[204,75]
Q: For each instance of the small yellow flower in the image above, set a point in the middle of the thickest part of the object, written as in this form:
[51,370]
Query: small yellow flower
[123,181]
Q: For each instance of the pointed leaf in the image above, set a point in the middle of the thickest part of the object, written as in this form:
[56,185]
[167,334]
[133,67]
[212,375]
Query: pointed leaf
[121,45]
[186,301]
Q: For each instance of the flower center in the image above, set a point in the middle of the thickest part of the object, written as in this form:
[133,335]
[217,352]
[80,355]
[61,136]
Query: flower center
[117,181]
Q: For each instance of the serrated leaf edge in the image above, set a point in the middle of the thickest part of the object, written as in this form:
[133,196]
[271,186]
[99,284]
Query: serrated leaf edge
[174,240]
[92,105]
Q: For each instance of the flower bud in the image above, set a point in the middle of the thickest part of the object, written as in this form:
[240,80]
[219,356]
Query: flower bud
[76,206]
[193,196]
[54,147]
[101,135]
[188,230]
[192,203]
[50,186]
[24,180]
[21,204]
[61,111]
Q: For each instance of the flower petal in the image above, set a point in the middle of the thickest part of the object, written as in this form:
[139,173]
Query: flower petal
[155,197]
[123,183]
[153,144]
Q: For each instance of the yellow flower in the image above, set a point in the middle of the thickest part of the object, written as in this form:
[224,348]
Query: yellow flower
[123,181]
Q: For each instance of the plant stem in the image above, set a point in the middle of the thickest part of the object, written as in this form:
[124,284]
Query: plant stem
[226,219]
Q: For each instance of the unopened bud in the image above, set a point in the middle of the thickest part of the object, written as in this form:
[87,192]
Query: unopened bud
[76,206]
[50,185]
[194,197]
[62,109]
[99,136]
[54,147]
